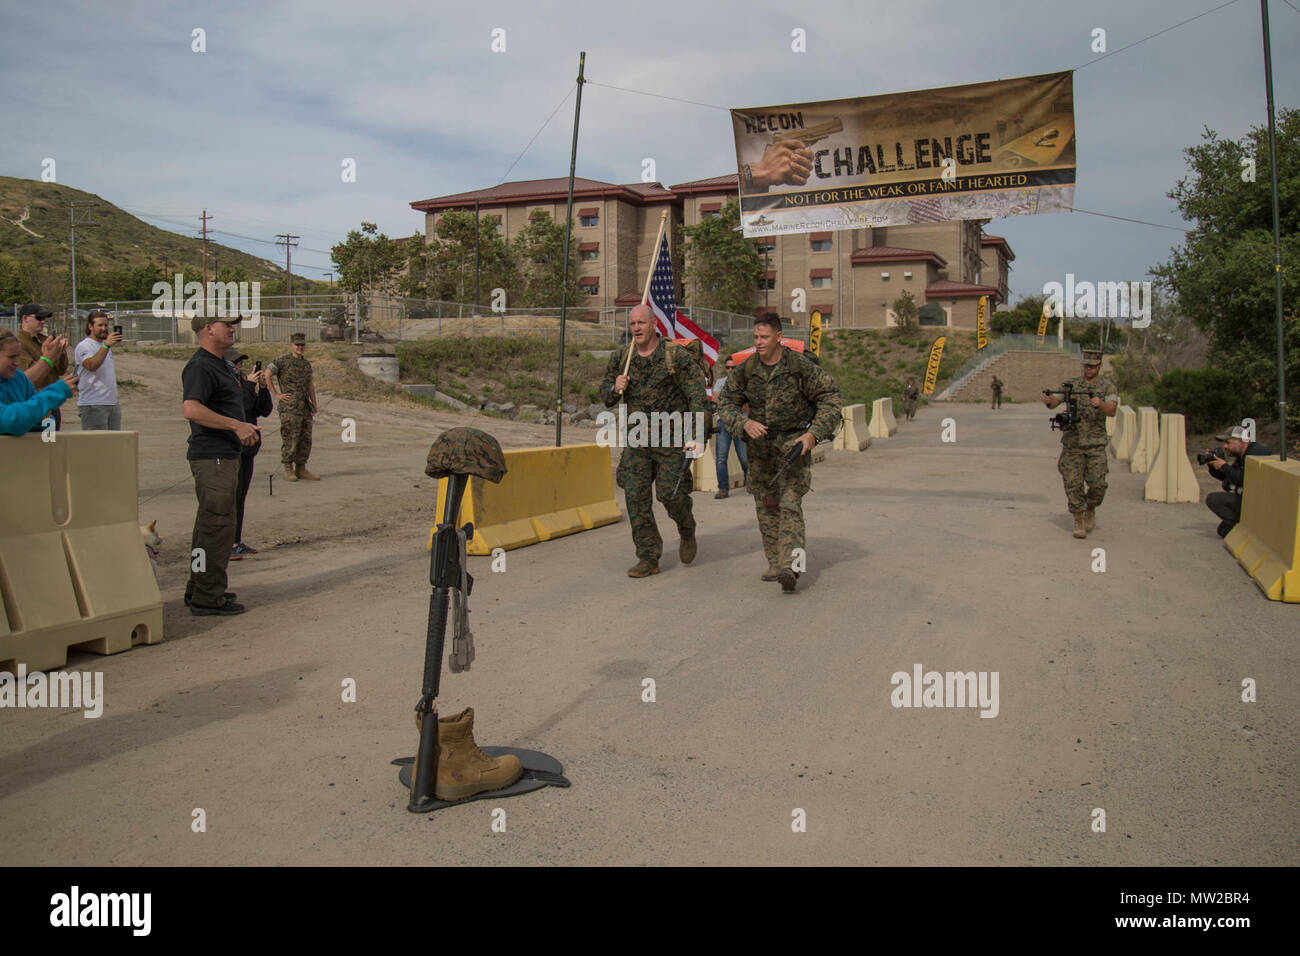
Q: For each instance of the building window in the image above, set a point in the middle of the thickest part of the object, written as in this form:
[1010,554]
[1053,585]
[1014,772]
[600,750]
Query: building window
[710,210]
[589,251]
[592,220]
[767,283]
[590,285]
[821,282]
[821,245]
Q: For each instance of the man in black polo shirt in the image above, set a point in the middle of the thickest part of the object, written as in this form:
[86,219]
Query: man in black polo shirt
[214,407]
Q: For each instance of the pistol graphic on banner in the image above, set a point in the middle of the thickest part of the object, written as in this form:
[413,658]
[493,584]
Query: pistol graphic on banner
[981,324]
[932,368]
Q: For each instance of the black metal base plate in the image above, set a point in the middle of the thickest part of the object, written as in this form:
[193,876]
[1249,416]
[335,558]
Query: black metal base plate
[540,770]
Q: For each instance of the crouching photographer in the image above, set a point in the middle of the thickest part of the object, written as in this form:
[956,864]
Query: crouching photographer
[1227,503]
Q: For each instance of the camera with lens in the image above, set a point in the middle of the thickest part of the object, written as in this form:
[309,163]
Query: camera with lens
[1207,456]
[1067,420]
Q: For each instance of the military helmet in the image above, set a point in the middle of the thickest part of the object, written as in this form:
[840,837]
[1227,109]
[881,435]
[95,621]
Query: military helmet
[466,451]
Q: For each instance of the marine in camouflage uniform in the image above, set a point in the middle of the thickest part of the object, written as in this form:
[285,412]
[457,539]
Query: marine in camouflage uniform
[1083,465]
[297,396]
[996,385]
[667,380]
[910,394]
[792,397]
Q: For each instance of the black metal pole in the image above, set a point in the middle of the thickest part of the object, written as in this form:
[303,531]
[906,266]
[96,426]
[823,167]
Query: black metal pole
[424,776]
[568,234]
[1277,241]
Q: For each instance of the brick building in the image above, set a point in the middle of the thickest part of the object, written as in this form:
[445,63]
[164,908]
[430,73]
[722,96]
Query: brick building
[851,276]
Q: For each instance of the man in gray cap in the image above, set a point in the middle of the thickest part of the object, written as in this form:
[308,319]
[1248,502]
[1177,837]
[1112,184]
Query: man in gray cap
[214,407]
[1083,464]
[1237,442]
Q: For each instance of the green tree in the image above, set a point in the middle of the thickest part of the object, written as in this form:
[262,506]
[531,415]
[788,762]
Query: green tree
[15,280]
[539,252]
[444,269]
[1222,276]
[905,311]
[368,261]
[722,267]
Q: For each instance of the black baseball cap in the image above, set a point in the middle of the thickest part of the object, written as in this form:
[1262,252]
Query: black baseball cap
[36,309]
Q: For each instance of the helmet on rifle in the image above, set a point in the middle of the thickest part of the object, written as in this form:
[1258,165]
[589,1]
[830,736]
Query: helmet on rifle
[466,451]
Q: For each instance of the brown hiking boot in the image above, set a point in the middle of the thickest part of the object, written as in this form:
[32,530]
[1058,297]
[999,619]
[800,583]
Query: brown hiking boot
[288,473]
[1080,529]
[306,475]
[771,574]
[787,579]
[463,769]
[723,493]
[642,569]
[1090,519]
[686,549]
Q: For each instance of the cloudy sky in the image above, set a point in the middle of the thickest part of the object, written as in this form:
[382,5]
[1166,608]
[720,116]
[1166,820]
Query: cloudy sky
[256,128]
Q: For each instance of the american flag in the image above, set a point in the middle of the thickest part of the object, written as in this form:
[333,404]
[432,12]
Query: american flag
[663,301]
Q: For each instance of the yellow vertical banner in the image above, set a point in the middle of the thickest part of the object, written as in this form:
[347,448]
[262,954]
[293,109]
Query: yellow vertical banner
[932,369]
[1042,322]
[815,334]
[982,324]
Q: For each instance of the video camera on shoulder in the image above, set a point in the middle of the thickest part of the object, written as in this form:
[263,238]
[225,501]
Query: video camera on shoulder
[1068,420]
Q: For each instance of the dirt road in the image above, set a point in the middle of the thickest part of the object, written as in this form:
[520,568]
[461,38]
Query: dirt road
[1118,690]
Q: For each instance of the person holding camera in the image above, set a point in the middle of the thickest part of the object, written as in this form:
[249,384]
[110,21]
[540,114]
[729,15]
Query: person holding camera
[96,378]
[257,404]
[1083,465]
[1227,503]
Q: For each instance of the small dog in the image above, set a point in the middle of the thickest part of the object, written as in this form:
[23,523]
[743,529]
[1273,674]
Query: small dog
[152,544]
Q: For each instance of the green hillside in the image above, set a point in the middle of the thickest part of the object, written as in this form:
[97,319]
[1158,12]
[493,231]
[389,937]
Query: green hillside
[114,257]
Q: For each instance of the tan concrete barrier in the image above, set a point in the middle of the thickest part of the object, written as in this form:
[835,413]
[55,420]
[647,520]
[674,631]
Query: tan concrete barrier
[1121,442]
[1110,425]
[704,470]
[1148,441]
[853,436]
[1266,543]
[73,568]
[882,418]
[1172,479]
[546,493]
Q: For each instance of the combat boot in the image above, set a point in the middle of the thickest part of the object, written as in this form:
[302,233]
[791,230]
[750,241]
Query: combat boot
[771,574]
[1080,530]
[306,475]
[787,577]
[643,569]
[686,549]
[288,473]
[1089,519]
[463,769]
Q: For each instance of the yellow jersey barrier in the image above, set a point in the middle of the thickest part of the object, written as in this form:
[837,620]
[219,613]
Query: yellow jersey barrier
[1266,542]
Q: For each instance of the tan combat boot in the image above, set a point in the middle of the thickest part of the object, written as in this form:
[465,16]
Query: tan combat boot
[463,769]
[686,550]
[771,574]
[288,473]
[642,569]
[1090,519]
[1080,530]
[306,475]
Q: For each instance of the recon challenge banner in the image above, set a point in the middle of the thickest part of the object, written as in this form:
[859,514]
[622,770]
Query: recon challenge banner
[963,152]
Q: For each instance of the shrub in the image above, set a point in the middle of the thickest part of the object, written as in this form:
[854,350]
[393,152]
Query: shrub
[1208,397]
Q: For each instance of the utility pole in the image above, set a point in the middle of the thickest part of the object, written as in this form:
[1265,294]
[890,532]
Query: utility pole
[476,257]
[330,276]
[204,219]
[289,241]
[72,221]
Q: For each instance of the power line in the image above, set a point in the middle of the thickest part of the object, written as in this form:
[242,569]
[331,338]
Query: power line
[1154,35]
[661,96]
[1142,222]
[535,135]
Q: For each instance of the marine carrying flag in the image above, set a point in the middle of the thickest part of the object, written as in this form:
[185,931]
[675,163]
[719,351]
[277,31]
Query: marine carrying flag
[669,322]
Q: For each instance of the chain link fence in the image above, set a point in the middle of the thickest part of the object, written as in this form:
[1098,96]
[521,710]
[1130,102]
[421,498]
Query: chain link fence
[350,317]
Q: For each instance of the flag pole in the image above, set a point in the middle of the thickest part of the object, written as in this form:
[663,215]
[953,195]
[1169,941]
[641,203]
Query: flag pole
[568,233]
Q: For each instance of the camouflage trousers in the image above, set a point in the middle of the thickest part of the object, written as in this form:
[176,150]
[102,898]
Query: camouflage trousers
[643,470]
[909,408]
[295,435]
[779,504]
[1083,469]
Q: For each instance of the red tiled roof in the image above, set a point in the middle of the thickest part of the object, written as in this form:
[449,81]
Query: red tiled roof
[547,190]
[715,184]
[987,240]
[947,288]
[896,254]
